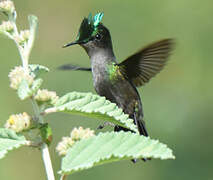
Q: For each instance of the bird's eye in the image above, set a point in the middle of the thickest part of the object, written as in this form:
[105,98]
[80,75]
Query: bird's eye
[98,36]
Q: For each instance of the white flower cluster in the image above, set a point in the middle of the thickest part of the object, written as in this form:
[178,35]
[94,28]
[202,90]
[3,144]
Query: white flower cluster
[9,27]
[17,75]
[76,135]
[64,145]
[7,6]
[46,96]
[80,133]
[6,26]
[18,122]
[23,37]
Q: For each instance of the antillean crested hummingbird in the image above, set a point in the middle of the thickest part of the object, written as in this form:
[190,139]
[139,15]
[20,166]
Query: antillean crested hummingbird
[118,81]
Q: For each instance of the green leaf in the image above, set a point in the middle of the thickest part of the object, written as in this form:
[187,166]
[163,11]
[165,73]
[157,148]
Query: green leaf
[110,147]
[36,70]
[91,105]
[9,140]
[24,90]
[46,133]
[36,85]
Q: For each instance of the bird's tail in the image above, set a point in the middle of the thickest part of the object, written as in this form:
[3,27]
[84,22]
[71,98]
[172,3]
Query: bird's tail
[142,128]
[139,123]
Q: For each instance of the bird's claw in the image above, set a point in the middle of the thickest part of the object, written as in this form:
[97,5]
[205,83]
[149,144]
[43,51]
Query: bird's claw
[105,124]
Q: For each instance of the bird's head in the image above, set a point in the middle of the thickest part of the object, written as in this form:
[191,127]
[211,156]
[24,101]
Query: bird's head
[92,35]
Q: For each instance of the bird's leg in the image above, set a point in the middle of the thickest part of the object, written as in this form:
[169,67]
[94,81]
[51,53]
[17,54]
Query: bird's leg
[105,124]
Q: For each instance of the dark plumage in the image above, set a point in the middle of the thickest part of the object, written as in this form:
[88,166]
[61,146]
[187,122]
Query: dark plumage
[118,81]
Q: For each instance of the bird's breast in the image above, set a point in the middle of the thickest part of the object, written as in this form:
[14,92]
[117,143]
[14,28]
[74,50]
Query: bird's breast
[115,88]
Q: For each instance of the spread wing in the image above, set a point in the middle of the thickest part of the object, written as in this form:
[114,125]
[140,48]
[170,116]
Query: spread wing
[146,63]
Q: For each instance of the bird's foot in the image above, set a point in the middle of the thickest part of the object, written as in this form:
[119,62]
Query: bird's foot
[105,124]
[146,159]
[143,159]
[134,160]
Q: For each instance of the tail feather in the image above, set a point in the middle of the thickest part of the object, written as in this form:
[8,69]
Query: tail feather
[141,128]
[140,124]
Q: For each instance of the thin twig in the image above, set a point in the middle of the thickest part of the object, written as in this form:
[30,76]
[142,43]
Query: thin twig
[47,162]
[63,177]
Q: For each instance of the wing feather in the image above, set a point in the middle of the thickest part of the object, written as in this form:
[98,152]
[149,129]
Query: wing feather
[146,63]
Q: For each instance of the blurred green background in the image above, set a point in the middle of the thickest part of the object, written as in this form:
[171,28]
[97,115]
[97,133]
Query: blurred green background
[178,103]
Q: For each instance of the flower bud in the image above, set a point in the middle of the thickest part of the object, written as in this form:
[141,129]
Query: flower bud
[17,75]
[76,135]
[80,133]
[6,26]
[23,37]
[46,96]
[18,122]
[64,145]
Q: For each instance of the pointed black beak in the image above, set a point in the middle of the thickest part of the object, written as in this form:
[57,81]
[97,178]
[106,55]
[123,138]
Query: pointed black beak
[73,43]
[70,44]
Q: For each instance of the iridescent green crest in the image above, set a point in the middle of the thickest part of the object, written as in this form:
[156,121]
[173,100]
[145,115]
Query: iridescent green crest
[88,27]
[97,18]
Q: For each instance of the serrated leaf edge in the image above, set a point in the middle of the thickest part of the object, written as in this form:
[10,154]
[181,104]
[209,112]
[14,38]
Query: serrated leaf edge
[115,157]
[81,97]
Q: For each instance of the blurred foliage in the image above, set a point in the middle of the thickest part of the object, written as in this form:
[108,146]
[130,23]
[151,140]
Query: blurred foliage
[177,103]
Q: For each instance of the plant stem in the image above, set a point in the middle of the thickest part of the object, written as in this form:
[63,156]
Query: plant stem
[44,148]
[22,51]
[63,177]
[24,54]
[47,162]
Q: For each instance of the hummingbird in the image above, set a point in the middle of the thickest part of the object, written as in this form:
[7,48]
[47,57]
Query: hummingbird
[116,81]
